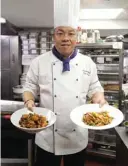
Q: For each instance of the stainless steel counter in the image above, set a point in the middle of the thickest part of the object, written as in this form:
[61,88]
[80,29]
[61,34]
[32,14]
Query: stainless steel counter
[122,147]
[123,135]
[10,106]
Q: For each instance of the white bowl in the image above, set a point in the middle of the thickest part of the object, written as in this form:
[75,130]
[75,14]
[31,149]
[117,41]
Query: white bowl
[16,116]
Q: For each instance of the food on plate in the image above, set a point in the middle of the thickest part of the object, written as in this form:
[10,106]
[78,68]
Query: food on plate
[33,121]
[97,118]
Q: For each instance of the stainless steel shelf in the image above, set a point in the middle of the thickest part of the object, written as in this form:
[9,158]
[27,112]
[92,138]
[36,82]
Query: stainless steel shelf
[102,143]
[13,160]
[113,65]
[109,82]
[101,153]
[98,45]
[101,73]
[110,91]
[104,134]
[112,100]
[104,56]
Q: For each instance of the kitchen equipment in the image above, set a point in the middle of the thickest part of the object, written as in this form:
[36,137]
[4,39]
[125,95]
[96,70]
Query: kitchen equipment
[51,117]
[23,79]
[114,38]
[107,55]
[18,89]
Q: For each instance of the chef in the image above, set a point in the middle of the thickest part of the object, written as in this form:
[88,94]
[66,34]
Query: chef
[64,78]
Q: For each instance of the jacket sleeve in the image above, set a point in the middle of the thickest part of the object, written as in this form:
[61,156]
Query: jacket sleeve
[32,77]
[95,85]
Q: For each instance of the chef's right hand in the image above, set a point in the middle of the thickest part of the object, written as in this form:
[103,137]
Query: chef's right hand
[30,104]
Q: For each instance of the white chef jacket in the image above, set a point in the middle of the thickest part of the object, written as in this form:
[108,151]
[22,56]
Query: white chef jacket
[62,92]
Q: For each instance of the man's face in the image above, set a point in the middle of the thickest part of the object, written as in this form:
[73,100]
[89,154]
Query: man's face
[65,40]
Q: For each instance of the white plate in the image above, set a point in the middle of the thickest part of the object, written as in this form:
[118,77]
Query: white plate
[51,117]
[77,115]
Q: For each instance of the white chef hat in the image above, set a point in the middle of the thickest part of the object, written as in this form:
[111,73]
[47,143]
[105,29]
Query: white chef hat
[66,13]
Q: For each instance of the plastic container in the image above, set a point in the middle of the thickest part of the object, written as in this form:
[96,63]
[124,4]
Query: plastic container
[34,51]
[25,52]
[33,40]
[33,46]
[33,34]
[25,47]
[25,42]
[43,39]
[43,45]
[43,51]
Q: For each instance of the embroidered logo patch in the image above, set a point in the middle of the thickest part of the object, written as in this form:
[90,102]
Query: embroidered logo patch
[86,72]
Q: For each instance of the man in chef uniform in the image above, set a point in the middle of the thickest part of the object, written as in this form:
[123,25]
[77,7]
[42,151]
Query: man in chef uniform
[63,77]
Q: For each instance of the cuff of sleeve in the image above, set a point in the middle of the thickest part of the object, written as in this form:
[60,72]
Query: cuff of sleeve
[29,90]
[92,92]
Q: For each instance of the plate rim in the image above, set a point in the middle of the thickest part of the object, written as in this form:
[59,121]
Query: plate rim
[105,127]
[32,129]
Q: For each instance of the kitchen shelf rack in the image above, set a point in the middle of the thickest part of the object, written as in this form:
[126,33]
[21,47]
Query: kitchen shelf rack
[110,72]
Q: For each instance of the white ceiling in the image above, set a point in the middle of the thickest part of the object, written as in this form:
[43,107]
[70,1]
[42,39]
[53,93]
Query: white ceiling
[28,13]
[39,13]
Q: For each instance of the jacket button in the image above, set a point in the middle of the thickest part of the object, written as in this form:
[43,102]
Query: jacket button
[74,129]
[76,96]
[76,64]
[55,96]
[55,130]
[77,79]
[53,63]
[54,78]
[55,113]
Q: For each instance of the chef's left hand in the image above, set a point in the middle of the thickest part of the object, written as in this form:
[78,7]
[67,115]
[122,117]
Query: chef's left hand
[98,98]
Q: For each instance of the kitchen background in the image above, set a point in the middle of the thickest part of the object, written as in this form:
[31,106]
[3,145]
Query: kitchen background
[26,32]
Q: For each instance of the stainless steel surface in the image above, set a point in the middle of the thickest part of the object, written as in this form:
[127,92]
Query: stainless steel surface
[100,45]
[30,152]
[109,82]
[10,161]
[107,64]
[121,59]
[108,91]
[107,56]
[102,153]
[10,106]
[106,73]
[123,135]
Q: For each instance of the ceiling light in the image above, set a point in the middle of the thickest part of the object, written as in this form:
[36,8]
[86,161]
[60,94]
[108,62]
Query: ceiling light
[99,13]
[2,20]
